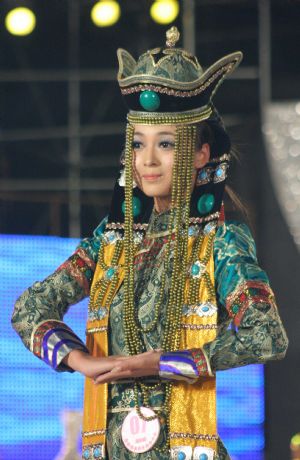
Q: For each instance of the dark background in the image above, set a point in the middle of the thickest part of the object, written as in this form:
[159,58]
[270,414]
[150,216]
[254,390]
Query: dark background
[39,128]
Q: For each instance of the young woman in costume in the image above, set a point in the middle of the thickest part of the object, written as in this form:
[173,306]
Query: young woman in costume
[166,276]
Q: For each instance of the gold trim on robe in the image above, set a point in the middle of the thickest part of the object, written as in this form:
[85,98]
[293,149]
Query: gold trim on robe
[193,407]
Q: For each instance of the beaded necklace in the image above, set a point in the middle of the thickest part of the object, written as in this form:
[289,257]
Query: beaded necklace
[177,235]
[178,225]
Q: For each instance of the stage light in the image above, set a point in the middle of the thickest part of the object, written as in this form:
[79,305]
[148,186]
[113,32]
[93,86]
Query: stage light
[20,21]
[295,446]
[164,11]
[282,136]
[105,13]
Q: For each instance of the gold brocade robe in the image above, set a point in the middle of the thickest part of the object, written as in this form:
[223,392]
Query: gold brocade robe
[193,407]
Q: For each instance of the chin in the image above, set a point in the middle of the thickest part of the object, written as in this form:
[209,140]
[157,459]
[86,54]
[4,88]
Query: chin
[154,192]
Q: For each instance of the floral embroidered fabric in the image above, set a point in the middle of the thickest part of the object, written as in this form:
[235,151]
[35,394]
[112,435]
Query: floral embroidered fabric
[258,336]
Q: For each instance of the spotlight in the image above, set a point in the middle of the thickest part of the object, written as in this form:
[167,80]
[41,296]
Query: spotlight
[20,21]
[295,446]
[164,11]
[105,13]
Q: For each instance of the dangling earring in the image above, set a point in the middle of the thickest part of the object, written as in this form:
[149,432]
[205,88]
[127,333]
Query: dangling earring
[121,179]
[204,176]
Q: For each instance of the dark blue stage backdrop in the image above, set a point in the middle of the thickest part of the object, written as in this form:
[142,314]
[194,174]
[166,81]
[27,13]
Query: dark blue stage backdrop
[33,396]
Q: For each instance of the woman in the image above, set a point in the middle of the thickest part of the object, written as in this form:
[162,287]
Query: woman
[166,276]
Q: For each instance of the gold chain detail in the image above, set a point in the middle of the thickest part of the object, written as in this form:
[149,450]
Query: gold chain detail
[206,437]
[169,118]
[92,330]
[196,327]
[87,434]
[175,92]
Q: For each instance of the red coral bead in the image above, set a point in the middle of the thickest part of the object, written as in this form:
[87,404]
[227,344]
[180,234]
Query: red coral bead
[80,262]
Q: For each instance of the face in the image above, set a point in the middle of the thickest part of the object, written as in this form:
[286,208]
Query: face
[154,156]
[153,147]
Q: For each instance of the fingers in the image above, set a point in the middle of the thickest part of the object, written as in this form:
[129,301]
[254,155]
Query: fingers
[103,366]
[121,374]
[124,367]
[113,375]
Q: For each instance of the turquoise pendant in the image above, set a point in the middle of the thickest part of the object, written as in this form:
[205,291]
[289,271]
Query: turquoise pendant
[136,206]
[205,203]
[149,100]
[197,269]
[110,272]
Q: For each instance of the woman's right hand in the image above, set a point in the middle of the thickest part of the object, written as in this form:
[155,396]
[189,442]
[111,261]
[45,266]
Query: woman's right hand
[92,367]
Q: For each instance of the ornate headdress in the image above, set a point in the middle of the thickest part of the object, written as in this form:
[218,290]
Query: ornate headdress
[168,86]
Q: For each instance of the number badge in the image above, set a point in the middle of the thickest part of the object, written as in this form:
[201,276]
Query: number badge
[140,435]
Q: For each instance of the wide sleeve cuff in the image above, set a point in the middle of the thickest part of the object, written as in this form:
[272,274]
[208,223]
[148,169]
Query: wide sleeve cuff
[202,362]
[178,365]
[52,341]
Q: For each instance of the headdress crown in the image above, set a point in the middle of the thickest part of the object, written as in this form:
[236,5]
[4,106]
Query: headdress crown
[173,71]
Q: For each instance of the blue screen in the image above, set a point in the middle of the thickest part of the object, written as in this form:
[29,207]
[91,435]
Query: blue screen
[33,396]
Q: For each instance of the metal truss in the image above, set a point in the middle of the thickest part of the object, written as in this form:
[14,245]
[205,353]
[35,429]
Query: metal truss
[74,132]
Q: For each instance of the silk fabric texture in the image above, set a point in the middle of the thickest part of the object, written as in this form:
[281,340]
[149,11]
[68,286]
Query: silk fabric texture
[193,407]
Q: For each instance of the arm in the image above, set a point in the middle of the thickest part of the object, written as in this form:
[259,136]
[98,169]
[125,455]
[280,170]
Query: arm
[38,313]
[246,302]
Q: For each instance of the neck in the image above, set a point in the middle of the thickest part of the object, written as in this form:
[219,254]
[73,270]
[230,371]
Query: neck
[162,203]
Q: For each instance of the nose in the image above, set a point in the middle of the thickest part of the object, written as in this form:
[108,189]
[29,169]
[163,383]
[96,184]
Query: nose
[150,156]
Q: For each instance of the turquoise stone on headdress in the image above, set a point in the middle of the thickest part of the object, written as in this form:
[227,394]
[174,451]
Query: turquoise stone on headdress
[219,172]
[170,71]
[149,100]
[205,203]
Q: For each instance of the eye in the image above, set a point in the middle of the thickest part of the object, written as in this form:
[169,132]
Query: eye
[167,145]
[136,145]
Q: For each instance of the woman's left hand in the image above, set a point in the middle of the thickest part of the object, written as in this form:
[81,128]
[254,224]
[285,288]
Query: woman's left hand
[141,365]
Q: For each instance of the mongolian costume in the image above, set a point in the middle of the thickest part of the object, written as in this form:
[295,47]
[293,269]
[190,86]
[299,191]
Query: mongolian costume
[175,280]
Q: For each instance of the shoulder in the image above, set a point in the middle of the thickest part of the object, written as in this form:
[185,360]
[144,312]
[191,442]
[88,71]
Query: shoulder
[92,244]
[98,232]
[232,229]
[232,237]
[235,258]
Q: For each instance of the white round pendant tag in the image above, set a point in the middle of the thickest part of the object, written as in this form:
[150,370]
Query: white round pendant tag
[140,435]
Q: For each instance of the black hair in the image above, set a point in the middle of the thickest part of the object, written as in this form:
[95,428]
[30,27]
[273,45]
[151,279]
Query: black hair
[207,134]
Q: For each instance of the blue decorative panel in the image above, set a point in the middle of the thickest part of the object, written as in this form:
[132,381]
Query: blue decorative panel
[32,396]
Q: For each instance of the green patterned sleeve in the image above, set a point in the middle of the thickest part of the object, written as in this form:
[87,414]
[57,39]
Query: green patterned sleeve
[246,303]
[39,311]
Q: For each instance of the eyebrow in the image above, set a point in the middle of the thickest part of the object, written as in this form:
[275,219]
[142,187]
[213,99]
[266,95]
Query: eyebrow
[159,133]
